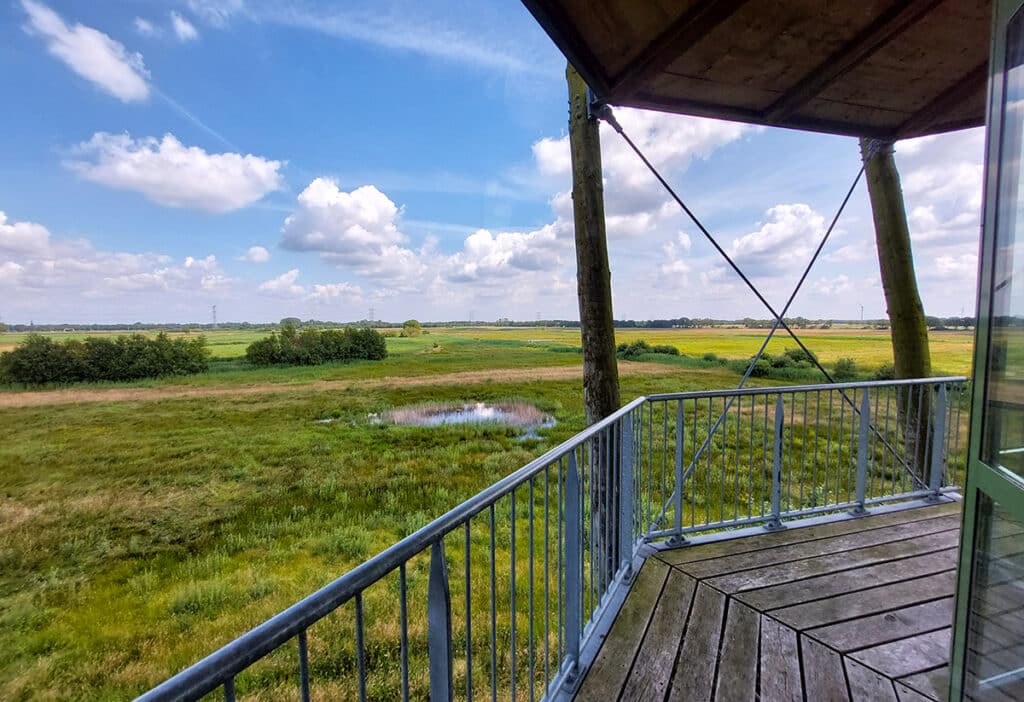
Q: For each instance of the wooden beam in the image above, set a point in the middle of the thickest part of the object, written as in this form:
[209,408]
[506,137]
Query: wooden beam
[891,23]
[932,113]
[680,35]
[562,30]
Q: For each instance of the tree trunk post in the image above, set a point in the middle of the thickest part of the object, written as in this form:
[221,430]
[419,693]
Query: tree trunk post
[597,327]
[907,326]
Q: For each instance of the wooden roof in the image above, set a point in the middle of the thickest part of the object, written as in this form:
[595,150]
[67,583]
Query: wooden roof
[881,68]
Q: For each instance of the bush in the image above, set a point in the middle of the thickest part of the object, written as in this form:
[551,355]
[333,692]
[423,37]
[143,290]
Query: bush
[710,357]
[411,328]
[845,369]
[665,349]
[40,360]
[312,347]
[886,371]
[800,358]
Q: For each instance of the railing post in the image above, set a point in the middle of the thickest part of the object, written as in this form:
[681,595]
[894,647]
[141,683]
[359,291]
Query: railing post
[677,539]
[439,626]
[626,497]
[775,523]
[938,446]
[862,452]
[573,572]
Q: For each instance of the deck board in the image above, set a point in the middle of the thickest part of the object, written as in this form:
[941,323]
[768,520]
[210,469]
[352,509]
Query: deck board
[852,610]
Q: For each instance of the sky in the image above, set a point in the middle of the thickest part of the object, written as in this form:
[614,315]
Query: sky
[328,159]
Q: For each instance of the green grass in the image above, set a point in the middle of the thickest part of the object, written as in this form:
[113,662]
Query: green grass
[136,537]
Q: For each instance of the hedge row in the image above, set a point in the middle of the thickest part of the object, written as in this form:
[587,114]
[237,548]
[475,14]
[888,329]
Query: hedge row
[311,347]
[40,360]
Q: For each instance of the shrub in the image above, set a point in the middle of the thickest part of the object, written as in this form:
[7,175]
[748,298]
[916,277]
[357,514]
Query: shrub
[312,347]
[845,369]
[800,357]
[886,371]
[39,360]
[634,350]
[710,357]
[665,349]
[411,328]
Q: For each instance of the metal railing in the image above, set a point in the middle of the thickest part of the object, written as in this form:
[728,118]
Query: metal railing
[498,598]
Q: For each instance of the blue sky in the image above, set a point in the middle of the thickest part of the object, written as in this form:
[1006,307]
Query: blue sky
[318,159]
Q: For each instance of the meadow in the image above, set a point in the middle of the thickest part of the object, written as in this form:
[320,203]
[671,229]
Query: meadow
[139,532]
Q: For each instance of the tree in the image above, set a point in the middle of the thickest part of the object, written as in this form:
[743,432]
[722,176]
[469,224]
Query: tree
[411,327]
[291,322]
[907,325]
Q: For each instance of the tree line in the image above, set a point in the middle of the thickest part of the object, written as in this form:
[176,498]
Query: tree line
[311,347]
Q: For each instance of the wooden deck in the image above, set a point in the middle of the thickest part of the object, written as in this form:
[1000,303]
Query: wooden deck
[849,610]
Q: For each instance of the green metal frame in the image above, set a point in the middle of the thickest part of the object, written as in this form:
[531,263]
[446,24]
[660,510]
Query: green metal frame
[982,478]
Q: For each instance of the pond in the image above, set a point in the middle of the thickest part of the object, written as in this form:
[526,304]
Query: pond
[515,414]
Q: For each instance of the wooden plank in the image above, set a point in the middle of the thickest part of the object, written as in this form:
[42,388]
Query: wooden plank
[908,656]
[649,679]
[747,544]
[821,586]
[824,678]
[857,604]
[780,663]
[834,562]
[931,684]
[905,694]
[866,685]
[695,675]
[888,626]
[608,673]
[820,547]
[737,666]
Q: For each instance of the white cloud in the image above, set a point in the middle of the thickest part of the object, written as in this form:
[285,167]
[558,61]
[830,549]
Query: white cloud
[183,29]
[283,285]
[851,253]
[356,230]
[838,285]
[963,267]
[256,254]
[145,27]
[785,238]
[90,53]
[22,237]
[486,256]
[216,12]
[172,174]
[335,292]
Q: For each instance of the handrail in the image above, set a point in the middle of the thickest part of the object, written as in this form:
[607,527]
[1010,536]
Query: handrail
[791,389]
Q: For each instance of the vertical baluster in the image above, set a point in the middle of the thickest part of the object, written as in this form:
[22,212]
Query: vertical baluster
[862,451]
[303,667]
[532,660]
[828,447]
[547,577]
[693,473]
[572,570]
[403,617]
[721,478]
[439,625]
[787,458]
[803,454]
[839,449]
[229,690]
[664,456]
[678,494]
[469,620]
[938,436]
[626,499]
[764,455]
[494,608]
[650,456]
[707,477]
[360,648]
[561,499]
[750,462]
[775,523]
[736,482]
[512,594]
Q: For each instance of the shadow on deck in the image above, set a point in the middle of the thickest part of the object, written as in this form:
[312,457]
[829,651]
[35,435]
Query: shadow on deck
[847,610]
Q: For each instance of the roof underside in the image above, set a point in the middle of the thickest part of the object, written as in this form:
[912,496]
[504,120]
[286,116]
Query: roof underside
[880,68]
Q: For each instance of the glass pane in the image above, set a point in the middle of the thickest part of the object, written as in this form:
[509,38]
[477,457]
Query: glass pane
[1004,396]
[995,640]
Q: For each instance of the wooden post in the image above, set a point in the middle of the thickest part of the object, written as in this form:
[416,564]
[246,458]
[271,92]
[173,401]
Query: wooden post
[593,276]
[907,326]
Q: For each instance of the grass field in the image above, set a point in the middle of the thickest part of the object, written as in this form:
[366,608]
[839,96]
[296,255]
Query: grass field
[138,535]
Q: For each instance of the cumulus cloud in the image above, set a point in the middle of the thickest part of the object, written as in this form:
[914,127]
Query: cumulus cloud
[183,29]
[486,256]
[216,12]
[90,53]
[256,254]
[283,285]
[356,230]
[40,269]
[22,237]
[335,292]
[783,239]
[172,174]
